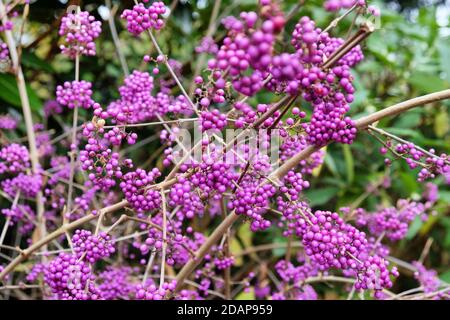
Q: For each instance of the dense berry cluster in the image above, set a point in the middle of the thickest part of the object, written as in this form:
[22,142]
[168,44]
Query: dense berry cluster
[328,90]
[152,292]
[141,18]
[181,194]
[391,222]
[135,185]
[90,247]
[285,70]
[14,158]
[293,184]
[7,122]
[252,200]
[427,278]
[70,279]
[207,45]
[293,145]
[20,213]
[136,103]
[114,283]
[246,52]
[102,163]
[75,94]
[79,31]
[223,263]
[25,185]
[332,243]
[52,107]
[212,120]
[214,175]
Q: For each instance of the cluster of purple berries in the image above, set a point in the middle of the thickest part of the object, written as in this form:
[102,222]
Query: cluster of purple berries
[90,247]
[246,53]
[295,274]
[4,51]
[70,278]
[21,213]
[427,278]
[252,200]
[293,184]
[52,107]
[79,31]
[393,222]
[152,292]
[214,175]
[98,159]
[25,185]
[332,243]
[432,165]
[134,186]
[212,120]
[136,103]
[141,18]
[295,143]
[7,122]
[329,91]
[285,70]
[224,262]
[182,194]
[14,158]
[336,5]
[75,94]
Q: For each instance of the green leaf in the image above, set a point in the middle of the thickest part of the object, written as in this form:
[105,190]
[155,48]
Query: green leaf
[31,60]
[444,52]
[408,120]
[249,295]
[321,196]
[427,83]
[278,252]
[10,93]
[427,18]
[445,195]
[404,132]
[441,124]
[445,276]
[446,243]
[414,228]
[349,163]
[331,165]
[409,183]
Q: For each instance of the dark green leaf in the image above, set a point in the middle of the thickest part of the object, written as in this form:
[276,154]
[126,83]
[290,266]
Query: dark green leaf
[321,196]
[10,93]
[427,83]
[29,59]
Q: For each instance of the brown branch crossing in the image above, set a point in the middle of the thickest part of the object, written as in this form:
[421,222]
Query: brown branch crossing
[362,123]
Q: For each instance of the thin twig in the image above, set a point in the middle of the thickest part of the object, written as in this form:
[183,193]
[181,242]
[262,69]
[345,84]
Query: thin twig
[164,238]
[116,39]
[34,155]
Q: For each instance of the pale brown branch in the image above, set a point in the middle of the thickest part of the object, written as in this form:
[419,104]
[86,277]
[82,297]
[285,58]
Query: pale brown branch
[34,155]
[55,234]
[291,163]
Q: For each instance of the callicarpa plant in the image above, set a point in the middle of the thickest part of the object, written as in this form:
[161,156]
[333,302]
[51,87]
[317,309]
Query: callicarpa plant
[278,150]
